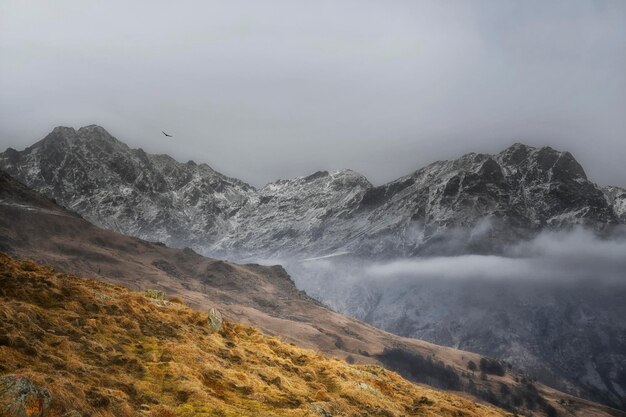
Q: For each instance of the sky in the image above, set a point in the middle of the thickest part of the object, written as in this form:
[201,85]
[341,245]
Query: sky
[282,88]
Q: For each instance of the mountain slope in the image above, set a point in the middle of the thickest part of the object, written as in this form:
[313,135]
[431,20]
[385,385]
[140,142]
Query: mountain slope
[148,196]
[33,227]
[477,203]
[616,197]
[567,331]
[102,350]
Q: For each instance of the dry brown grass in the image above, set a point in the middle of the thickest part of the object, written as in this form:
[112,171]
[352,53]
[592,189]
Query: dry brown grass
[105,350]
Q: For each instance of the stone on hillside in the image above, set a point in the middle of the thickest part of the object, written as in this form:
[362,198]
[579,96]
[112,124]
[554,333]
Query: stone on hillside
[20,397]
[215,320]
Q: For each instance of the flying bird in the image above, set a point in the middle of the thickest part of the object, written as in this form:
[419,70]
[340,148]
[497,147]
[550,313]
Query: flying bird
[169,136]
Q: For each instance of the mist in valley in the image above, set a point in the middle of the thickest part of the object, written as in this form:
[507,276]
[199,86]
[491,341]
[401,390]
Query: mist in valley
[552,306]
[571,258]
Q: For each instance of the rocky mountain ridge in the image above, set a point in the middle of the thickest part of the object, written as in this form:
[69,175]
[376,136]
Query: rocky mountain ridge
[477,203]
[122,189]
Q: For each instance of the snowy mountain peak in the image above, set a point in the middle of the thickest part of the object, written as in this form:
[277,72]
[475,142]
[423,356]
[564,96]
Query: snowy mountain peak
[517,193]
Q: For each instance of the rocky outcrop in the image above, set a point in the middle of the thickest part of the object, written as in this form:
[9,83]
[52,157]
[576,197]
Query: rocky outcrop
[20,397]
[616,197]
[216,321]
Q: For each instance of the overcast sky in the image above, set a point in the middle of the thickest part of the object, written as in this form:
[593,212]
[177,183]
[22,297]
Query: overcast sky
[272,89]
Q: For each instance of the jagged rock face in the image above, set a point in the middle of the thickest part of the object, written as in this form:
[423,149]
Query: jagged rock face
[616,197]
[477,203]
[148,196]
[553,188]
[494,198]
[313,214]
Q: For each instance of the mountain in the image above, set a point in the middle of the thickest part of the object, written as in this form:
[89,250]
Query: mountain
[477,203]
[616,197]
[32,226]
[123,189]
[73,347]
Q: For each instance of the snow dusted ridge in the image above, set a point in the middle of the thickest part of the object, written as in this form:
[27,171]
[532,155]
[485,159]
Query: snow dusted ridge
[476,203]
[152,197]
[616,197]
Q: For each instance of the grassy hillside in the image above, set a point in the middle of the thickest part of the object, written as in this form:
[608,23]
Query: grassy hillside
[102,350]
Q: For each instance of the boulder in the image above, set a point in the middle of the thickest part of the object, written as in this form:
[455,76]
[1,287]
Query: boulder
[20,397]
[215,320]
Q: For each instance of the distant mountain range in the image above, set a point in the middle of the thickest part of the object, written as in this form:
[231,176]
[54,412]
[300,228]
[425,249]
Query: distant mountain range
[478,203]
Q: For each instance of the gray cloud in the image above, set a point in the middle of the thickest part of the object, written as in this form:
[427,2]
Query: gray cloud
[565,257]
[562,258]
[262,90]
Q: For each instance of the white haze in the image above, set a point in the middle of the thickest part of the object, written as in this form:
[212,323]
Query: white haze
[564,258]
[573,256]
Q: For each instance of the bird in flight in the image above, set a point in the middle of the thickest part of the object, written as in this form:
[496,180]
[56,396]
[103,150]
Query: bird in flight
[169,136]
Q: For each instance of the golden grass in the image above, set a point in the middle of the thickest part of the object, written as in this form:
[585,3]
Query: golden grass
[108,351]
